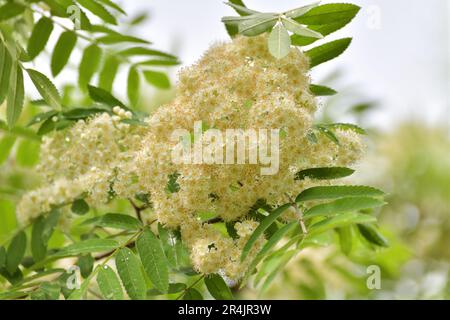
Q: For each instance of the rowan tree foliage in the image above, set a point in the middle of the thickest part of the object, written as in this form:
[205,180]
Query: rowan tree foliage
[109,215]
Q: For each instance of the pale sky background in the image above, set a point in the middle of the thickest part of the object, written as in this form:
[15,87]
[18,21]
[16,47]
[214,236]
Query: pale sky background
[399,56]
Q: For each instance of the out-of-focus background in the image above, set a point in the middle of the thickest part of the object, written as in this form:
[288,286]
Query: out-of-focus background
[394,80]
[399,55]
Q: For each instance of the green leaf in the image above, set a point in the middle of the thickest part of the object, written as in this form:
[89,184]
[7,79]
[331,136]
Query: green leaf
[130,272]
[257,23]
[38,247]
[109,284]
[154,260]
[39,37]
[10,10]
[63,49]
[120,38]
[90,63]
[15,96]
[276,237]
[42,231]
[115,221]
[266,223]
[40,117]
[86,264]
[345,239]
[343,205]
[80,207]
[218,288]
[298,29]
[325,19]
[327,51]
[326,173]
[277,265]
[328,133]
[174,249]
[103,96]
[111,4]
[47,291]
[108,73]
[335,192]
[16,252]
[6,144]
[87,246]
[27,153]
[157,79]
[371,234]
[46,88]
[329,14]
[319,91]
[192,294]
[141,51]
[5,71]
[83,113]
[339,221]
[279,42]
[133,86]
[58,7]
[345,127]
[98,10]
[298,12]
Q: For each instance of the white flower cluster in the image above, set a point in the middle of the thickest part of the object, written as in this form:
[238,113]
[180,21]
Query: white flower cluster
[235,85]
